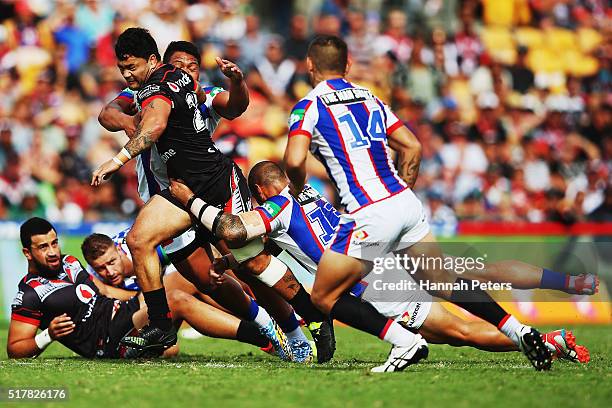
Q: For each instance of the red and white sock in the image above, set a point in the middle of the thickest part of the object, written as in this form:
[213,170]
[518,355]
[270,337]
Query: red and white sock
[397,335]
[510,327]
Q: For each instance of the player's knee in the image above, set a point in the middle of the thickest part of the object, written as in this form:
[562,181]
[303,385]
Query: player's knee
[321,302]
[460,334]
[176,299]
[256,265]
[135,241]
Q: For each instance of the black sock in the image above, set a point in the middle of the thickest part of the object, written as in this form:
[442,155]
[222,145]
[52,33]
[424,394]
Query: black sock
[479,303]
[158,310]
[303,306]
[248,332]
[358,314]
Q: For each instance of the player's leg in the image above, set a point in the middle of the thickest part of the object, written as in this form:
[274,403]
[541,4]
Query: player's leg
[526,276]
[443,327]
[336,274]
[475,300]
[158,221]
[213,322]
[273,273]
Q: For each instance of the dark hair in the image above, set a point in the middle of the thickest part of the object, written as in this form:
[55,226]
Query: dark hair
[182,46]
[33,226]
[328,53]
[95,246]
[136,42]
[265,172]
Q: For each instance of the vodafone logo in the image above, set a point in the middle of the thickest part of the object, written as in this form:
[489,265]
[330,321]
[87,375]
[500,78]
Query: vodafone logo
[174,87]
[85,293]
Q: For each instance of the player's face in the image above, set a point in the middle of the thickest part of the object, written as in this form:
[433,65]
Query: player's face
[135,71]
[186,62]
[45,254]
[109,266]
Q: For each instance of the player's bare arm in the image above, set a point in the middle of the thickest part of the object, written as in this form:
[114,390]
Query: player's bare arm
[119,114]
[23,342]
[232,104]
[236,230]
[113,292]
[295,162]
[408,149]
[152,125]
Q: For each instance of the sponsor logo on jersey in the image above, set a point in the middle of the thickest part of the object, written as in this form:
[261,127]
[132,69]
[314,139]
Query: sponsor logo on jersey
[296,116]
[85,293]
[167,155]
[173,87]
[215,91]
[271,208]
[18,301]
[183,81]
[346,96]
[90,308]
[147,91]
[360,235]
[72,267]
[308,195]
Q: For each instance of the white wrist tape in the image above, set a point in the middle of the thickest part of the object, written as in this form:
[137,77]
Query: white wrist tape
[250,250]
[253,224]
[126,153]
[43,339]
[205,213]
[119,162]
[274,272]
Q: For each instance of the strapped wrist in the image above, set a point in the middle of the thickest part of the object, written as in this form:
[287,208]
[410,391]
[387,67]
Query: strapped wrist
[43,339]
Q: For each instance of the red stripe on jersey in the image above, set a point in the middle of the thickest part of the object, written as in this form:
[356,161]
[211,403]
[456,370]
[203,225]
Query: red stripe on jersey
[377,201]
[264,218]
[348,160]
[150,99]
[167,72]
[394,127]
[125,98]
[300,132]
[24,319]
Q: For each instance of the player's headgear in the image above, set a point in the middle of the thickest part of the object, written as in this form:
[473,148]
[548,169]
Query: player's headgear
[328,53]
[33,226]
[137,42]
[182,46]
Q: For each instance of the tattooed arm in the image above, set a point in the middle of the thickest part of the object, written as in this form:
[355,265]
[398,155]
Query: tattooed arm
[152,125]
[408,149]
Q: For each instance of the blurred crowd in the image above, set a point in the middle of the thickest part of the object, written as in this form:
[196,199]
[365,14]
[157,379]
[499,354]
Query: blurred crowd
[511,99]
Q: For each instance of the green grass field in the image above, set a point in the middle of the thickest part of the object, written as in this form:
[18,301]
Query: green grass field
[217,372]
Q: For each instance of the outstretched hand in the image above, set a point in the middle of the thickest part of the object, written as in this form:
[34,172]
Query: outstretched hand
[229,69]
[104,172]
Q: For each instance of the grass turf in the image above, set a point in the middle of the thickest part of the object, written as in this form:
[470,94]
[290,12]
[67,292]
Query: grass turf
[213,371]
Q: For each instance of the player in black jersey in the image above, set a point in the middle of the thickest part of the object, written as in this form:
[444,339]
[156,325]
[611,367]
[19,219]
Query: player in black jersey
[168,100]
[59,297]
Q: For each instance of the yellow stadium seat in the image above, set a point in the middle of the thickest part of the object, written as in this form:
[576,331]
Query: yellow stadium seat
[560,39]
[544,60]
[588,39]
[579,65]
[529,37]
[495,38]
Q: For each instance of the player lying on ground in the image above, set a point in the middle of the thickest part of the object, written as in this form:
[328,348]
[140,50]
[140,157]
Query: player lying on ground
[69,305]
[299,226]
[350,131]
[111,260]
[172,122]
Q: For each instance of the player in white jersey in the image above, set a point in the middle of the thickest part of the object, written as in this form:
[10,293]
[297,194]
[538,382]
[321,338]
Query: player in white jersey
[349,130]
[304,227]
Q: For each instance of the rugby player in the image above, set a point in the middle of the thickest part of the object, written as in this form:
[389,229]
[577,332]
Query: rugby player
[304,226]
[60,298]
[349,130]
[171,119]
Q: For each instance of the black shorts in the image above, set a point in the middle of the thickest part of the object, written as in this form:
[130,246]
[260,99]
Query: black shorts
[120,326]
[238,199]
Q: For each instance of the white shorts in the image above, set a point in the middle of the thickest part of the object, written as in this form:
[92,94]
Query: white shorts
[396,295]
[388,225]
